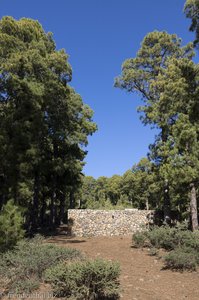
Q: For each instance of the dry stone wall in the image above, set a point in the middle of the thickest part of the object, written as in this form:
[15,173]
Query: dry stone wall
[89,222]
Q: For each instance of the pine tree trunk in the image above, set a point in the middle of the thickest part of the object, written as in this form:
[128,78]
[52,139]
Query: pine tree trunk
[147,204]
[167,209]
[54,190]
[56,216]
[2,194]
[62,209]
[35,210]
[52,209]
[166,197]
[72,201]
[193,207]
[43,211]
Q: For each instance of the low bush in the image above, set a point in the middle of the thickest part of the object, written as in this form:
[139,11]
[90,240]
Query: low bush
[162,237]
[171,238]
[24,285]
[24,266]
[183,245]
[181,259]
[140,239]
[167,238]
[96,279]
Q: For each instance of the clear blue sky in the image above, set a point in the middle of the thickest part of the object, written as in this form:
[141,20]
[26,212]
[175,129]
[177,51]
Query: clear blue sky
[99,35]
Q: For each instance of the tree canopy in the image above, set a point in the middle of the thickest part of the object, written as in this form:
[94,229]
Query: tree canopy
[191,9]
[166,77]
[44,124]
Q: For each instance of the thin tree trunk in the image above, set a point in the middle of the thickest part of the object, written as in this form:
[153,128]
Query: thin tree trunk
[53,201]
[54,189]
[167,208]
[166,197]
[2,188]
[62,208]
[43,212]
[56,215]
[193,207]
[35,210]
[72,200]
[52,209]
[147,204]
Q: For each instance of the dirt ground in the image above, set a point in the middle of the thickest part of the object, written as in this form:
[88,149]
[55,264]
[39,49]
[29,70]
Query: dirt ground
[142,276]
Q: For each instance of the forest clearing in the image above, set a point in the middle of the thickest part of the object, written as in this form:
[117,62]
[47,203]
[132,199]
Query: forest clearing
[142,276]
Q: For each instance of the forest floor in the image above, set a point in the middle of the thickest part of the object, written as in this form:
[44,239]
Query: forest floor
[142,276]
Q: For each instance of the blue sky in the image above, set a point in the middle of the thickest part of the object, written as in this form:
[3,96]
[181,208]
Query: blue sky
[99,35]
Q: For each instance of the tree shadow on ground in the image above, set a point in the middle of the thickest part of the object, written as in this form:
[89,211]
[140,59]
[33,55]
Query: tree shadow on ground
[65,240]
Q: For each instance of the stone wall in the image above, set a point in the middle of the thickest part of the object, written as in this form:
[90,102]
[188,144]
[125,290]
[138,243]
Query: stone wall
[89,222]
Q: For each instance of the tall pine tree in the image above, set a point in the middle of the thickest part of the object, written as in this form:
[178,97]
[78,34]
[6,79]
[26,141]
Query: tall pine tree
[43,123]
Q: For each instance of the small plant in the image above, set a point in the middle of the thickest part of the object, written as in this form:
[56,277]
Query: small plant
[26,285]
[153,251]
[11,222]
[140,239]
[24,266]
[95,279]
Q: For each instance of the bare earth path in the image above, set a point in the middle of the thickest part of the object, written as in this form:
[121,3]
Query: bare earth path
[141,276]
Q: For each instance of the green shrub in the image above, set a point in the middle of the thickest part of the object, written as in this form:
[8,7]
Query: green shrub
[181,259]
[170,238]
[183,245]
[26,285]
[187,239]
[24,266]
[140,239]
[162,237]
[184,238]
[11,222]
[97,279]
[153,251]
